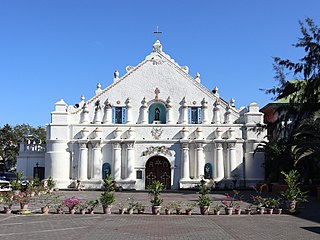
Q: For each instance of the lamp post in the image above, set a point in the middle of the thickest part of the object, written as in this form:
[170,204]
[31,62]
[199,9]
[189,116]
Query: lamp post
[36,170]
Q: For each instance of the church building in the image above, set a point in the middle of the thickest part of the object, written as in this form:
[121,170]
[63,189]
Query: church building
[156,122]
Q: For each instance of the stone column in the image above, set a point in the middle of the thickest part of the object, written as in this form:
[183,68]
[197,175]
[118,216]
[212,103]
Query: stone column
[204,107]
[232,156]
[129,111]
[144,112]
[184,112]
[216,114]
[219,158]
[185,170]
[96,160]
[228,115]
[83,160]
[169,119]
[130,161]
[117,161]
[107,117]
[200,160]
[97,113]
[84,116]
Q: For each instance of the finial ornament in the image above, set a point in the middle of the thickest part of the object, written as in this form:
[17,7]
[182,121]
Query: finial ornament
[157,91]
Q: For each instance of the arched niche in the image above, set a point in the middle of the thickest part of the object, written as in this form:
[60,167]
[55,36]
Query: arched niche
[157,113]
[106,170]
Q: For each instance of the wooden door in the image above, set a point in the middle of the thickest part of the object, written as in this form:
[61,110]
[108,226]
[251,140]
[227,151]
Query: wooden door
[158,168]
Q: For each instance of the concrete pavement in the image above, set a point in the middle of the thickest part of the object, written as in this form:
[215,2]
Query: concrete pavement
[129,227]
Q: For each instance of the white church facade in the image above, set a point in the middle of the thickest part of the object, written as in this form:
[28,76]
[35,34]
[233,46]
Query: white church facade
[156,122]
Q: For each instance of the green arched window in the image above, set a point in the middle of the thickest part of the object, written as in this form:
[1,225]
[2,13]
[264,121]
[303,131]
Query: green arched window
[106,170]
[157,112]
[208,171]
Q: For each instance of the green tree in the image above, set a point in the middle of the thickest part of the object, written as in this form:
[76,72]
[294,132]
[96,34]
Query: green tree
[299,89]
[299,82]
[10,137]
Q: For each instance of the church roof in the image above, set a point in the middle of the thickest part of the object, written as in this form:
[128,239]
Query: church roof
[158,54]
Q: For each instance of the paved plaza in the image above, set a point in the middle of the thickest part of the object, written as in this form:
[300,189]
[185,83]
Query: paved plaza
[305,225]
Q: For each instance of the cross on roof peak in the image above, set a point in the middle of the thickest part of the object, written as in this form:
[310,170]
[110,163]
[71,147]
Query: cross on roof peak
[157,32]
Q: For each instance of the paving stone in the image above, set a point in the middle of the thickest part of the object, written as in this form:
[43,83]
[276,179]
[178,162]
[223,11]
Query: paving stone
[146,226]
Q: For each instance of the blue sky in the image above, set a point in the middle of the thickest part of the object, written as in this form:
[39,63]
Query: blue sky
[61,49]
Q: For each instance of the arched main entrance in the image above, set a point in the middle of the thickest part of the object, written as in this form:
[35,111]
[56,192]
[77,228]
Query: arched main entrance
[158,168]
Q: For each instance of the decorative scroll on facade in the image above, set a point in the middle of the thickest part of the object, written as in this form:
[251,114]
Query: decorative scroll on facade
[159,149]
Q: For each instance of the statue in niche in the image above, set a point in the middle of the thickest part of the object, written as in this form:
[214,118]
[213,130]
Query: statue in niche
[157,114]
[207,171]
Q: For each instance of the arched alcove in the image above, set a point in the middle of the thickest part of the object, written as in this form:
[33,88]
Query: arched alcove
[157,113]
[106,170]
[208,171]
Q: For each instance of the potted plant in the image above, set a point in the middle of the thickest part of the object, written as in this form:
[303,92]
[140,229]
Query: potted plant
[154,191]
[293,194]
[168,208]
[177,206]
[24,199]
[7,200]
[277,209]
[229,202]
[237,209]
[107,197]
[248,209]
[140,207]
[16,187]
[71,203]
[258,200]
[82,206]
[47,200]
[91,205]
[131,205]
[204,200]
[59,206]
[50,183]
[38,186]
[189,208]
[122,208]
[270,204]
[217,209]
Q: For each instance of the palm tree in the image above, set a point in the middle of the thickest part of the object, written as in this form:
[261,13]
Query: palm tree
[306,144]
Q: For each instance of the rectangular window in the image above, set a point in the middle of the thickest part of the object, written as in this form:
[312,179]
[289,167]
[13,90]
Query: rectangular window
[119,115]
[195,115]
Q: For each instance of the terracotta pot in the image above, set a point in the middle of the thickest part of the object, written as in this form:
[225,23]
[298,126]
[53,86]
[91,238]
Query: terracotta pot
[237,211]
[188,212]
[72,211]
[59,210]
[277,211]
[291,205]
[204,210]
[45,210]
[7,210]
[130,211]
[178,211]
[107,209]
[140,211]
[216,212]
[247,211]
[156,210]
[261,210]
[91,211]
[228,210]
[83,211]
[24,206]
[269,211]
